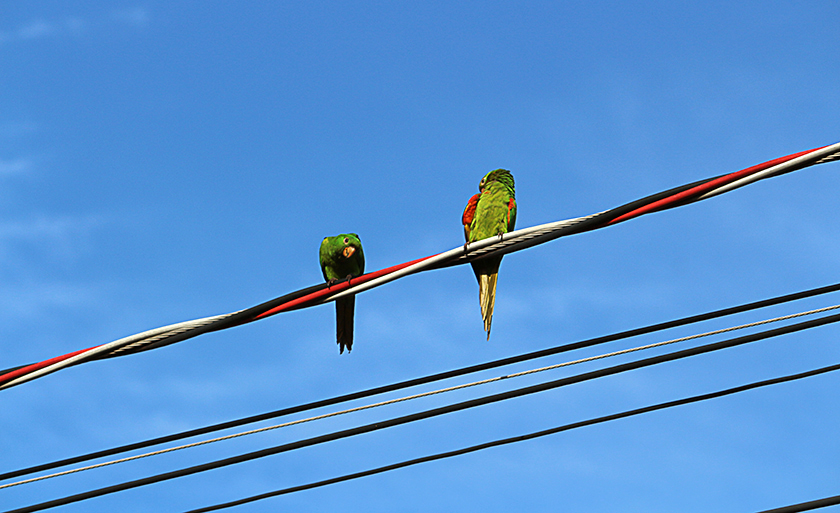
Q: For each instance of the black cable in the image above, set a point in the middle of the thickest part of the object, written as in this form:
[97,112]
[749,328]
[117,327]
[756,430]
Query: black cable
[806,506]
[12,369]
[422,380]
[604,218]
[531,436]
[236,319]
[414,417]
[249,314]
[594,222]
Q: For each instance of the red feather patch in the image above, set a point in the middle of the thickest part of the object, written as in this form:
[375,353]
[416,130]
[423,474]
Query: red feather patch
[469,211]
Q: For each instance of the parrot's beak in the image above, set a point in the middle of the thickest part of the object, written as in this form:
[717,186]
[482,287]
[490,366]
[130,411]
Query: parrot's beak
[348,251]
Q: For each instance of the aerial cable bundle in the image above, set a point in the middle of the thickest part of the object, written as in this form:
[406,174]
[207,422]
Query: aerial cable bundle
[453,373]
[469,404]
[494,246]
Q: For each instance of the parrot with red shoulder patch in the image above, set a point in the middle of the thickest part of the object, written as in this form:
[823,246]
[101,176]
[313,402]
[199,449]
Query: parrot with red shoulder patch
[489,213]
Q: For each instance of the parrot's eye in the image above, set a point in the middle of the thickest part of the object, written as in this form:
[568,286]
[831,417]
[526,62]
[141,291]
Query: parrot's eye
[346,240]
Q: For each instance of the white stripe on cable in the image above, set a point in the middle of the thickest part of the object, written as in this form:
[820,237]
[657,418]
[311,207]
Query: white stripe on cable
[514,241]
[488,246]
[825,154]
[117,346]
[507,243]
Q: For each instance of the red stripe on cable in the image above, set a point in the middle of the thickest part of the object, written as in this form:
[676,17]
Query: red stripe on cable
[338,287]
[40,365]
[705,187]
[309,298]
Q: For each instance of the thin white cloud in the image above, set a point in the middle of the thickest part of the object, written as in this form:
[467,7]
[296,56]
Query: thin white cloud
[75,25]
[36,29]
[30,299]
[61,238]
[27,288]
[17,128]
[138,17]
[72,25]
[15,166]
[49,230]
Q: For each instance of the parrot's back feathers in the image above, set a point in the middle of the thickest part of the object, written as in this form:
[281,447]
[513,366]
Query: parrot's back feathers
[487,298]
[489,213]
[344,310]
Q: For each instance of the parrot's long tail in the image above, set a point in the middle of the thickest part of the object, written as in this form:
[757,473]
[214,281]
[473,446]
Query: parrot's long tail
[344,310]
[487,298]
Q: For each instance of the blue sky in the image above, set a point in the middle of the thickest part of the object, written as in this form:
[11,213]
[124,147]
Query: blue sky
[164,161]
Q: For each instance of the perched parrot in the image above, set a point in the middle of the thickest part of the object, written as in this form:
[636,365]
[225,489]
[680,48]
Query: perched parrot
[342,258]
[490,212]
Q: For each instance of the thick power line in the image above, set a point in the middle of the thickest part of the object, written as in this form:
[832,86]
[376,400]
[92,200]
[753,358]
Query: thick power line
[414,417]
[429,393]
[537,434]
[806,506]
[494,246]
[425,379]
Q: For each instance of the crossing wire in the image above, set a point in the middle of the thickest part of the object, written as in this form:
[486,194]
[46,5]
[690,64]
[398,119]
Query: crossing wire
[414,417]
[494,246]
[427,379]
[537,434]
[425,394]
[804,506]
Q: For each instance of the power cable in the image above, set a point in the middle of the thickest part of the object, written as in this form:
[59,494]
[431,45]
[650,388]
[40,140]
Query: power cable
[494,246]
[423,394]
[806,506]
[537,434]
[427,379]
[414,417]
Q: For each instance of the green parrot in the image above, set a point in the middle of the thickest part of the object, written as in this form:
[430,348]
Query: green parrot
[342,258]
[490,212]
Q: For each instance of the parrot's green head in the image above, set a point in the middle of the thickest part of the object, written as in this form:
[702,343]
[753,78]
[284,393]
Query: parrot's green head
[501,176]
[342,246]
[342,256]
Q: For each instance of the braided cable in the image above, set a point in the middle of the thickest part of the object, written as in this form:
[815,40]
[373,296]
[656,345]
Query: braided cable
[135,342]
[493,246]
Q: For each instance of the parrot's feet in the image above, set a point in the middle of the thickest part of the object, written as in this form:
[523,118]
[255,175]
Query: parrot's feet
[332,281]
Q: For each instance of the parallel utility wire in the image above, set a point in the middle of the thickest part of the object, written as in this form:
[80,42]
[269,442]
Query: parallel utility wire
[428,379]
[434,412]
[430,393]
[803,506]
[510,242]
[537,434]
[494,246]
